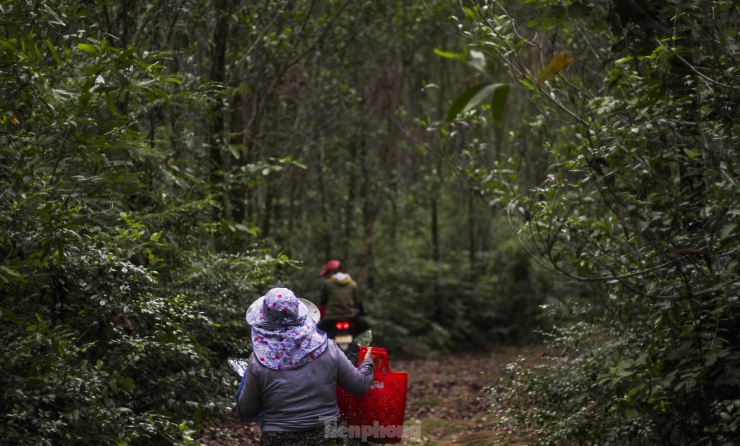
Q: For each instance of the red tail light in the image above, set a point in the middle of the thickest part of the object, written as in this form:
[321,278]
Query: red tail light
[342,325]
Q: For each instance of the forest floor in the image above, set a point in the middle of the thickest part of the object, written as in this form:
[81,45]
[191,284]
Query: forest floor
[446,403]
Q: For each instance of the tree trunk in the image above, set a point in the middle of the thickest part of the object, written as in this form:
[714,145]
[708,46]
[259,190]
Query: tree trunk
[471,227]
[237,193]
[218,65]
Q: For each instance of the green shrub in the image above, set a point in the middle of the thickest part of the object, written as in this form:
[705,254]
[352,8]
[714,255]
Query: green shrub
[115,307]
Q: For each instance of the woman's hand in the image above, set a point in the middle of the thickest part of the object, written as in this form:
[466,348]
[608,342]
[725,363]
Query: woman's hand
[369,354]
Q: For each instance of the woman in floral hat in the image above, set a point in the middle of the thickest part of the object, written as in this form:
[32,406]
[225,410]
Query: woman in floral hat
[293,373]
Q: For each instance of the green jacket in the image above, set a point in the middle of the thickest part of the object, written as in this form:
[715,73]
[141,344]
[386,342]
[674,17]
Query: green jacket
[340,297]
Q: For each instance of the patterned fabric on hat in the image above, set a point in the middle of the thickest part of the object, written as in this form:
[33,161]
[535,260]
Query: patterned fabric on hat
[283,334]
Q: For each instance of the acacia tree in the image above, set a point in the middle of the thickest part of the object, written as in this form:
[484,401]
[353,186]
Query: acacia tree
[636,105]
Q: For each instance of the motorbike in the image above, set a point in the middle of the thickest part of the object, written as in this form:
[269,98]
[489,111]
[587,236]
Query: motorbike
[343,334]
[349,333]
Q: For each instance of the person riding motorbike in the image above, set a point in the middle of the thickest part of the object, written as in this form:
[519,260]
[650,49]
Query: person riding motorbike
[340,299]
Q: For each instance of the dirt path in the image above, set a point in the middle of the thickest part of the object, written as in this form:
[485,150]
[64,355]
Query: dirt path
[445,401]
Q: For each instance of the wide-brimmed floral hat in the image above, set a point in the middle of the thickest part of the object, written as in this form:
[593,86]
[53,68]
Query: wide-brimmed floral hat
[284,336]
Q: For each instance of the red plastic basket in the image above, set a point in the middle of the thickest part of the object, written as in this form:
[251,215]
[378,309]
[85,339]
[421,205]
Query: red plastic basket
[377,415]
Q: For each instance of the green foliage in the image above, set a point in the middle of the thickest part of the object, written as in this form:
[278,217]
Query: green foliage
[640,198]
[558,401]
[106,281]
[474,96]
[470,98]
[441,306]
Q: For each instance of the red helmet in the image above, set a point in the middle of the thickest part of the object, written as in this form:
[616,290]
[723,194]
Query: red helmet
[330,265]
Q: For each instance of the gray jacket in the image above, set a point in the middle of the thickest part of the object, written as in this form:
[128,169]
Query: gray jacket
[300,399]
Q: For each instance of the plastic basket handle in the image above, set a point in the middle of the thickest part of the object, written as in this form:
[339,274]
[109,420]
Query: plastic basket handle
[382,367]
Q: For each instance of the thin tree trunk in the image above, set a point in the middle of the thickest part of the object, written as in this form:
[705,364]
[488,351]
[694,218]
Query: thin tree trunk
[471,228]
[436,186]
[435,228]
[218,66]
[351,197]
[237,193]
[324,204]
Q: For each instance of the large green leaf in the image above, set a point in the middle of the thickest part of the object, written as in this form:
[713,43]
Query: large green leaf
[450,55]
[498,102]
[470,98]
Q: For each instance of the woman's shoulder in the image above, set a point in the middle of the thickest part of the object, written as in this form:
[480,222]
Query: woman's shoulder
[254,364]
[332,351]
[331,345]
